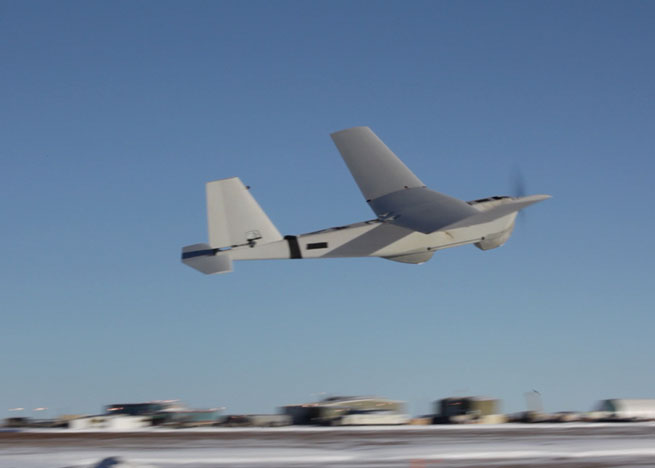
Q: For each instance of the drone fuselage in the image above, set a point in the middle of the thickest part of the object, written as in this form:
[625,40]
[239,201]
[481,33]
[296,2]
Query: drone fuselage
[376,238]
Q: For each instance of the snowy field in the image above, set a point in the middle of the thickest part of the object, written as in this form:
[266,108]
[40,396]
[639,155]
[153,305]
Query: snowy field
[508,446]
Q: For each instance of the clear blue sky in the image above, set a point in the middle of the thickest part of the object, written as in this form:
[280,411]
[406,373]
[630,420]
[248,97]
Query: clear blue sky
[114,115]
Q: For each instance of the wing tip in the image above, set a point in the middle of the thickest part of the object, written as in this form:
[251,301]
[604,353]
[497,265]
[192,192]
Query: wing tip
[350,129]
[537,198]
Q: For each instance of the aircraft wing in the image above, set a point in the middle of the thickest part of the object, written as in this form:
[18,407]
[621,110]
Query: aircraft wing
[374,167]
[392,191]
[422,209]
[496,212]
[397,196]
[427,211]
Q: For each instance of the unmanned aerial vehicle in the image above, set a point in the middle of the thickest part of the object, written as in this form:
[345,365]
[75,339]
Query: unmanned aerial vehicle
[412,222]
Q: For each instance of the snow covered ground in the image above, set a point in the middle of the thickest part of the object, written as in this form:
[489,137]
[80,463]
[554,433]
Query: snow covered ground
[555,445]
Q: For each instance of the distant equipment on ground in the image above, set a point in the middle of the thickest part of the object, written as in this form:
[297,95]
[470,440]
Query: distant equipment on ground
[118,422]
[165,412]
[468,410]
[256,420]
[349,411]
[412,222]
[626,409]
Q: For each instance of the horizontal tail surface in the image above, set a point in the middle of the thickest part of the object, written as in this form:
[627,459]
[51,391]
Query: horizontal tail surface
[207,260]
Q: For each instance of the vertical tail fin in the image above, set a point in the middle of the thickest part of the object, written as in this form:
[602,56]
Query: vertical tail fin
[234,217]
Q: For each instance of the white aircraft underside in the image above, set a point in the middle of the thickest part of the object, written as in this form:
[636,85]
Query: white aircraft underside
[412,221]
